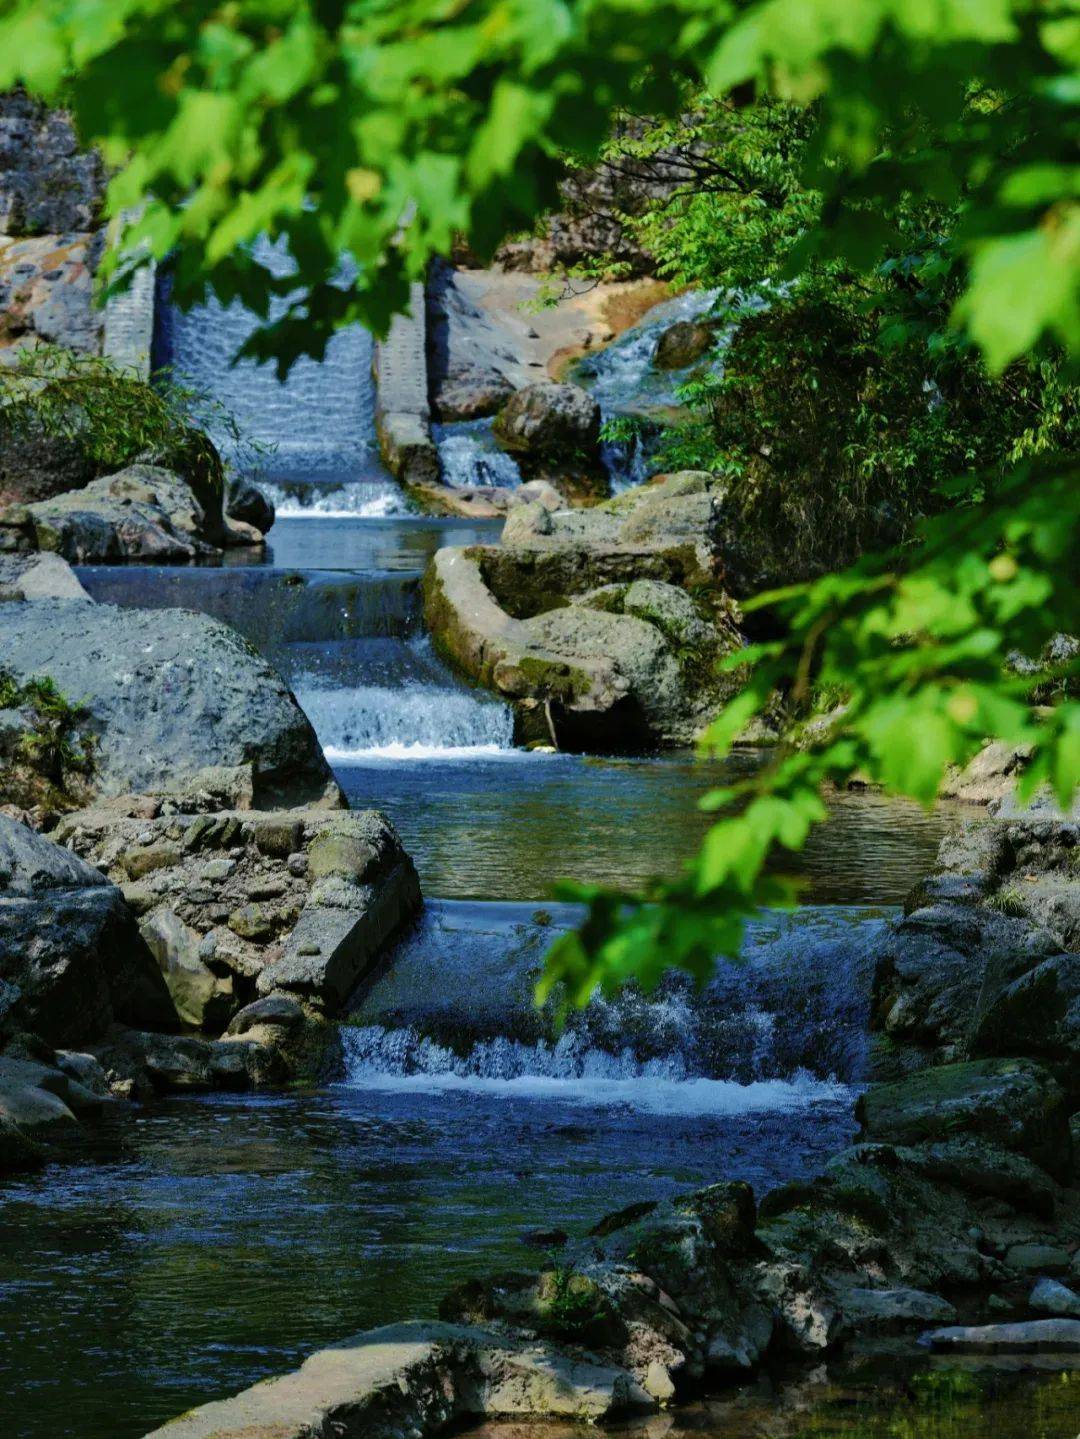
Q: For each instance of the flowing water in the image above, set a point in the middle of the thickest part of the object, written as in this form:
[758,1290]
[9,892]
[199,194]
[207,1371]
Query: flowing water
[212,1241]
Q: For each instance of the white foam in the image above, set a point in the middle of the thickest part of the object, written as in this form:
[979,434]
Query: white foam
[345,502]
[414,750]
[568,1071]
[410,721]
[653,1096]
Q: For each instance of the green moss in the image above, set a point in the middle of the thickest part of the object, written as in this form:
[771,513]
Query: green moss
[572,1306]
[52,761]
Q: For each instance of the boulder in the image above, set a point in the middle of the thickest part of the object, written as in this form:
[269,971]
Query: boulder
[1039,1014]
[169,693]
[246,502]
[1012,1102]
[141,1063]
[69,945]
[683,344]
[548,424]
[144,512]
[40,1106]
[938,971]
[1051,1297]
[588,674]
[669,529]
[38,577]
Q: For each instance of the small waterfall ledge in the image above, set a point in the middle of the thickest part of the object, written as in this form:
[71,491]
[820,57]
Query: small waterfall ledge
[784,1029]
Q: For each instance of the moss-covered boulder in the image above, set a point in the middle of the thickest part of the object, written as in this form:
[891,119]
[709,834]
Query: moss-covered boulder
[1012,1102]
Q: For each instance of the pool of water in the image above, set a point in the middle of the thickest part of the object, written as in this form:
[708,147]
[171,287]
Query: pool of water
[216,1241]
[506,826]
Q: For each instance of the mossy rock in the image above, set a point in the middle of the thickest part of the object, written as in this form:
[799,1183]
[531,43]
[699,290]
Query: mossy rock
[1012,1102]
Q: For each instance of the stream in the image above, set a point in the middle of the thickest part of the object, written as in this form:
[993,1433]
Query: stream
[212,1241]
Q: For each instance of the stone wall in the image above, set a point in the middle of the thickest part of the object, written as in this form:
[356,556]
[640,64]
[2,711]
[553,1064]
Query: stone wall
[51,239]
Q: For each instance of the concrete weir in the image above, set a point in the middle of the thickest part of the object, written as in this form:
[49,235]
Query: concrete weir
[402,415]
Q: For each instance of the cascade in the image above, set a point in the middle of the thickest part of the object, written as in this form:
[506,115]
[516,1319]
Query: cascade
[782,1029]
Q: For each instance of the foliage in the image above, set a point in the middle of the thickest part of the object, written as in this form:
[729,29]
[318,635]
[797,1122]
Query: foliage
[839,399]
[49,763]
[114,416]
[380,128]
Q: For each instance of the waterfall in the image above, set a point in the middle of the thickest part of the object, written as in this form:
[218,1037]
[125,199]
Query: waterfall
[403,705]
[469,455]
[317,425]
[626,382]
[785,1028]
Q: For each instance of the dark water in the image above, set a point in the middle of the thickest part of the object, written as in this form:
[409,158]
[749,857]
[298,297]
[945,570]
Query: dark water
[225,1238]
[866,1399]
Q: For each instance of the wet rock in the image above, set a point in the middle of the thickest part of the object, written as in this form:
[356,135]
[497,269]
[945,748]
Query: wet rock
[1037,1336]
[143,512]
[1050,1297]
[177,1064]
[246,502]
[169,693]
[548,424]
[69,945]
[40,1106]
[1012,1102]
[683,344]
[417,1378]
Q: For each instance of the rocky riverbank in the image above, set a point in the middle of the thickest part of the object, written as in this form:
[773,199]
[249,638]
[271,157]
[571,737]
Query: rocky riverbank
[954,1217]
[202,905]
